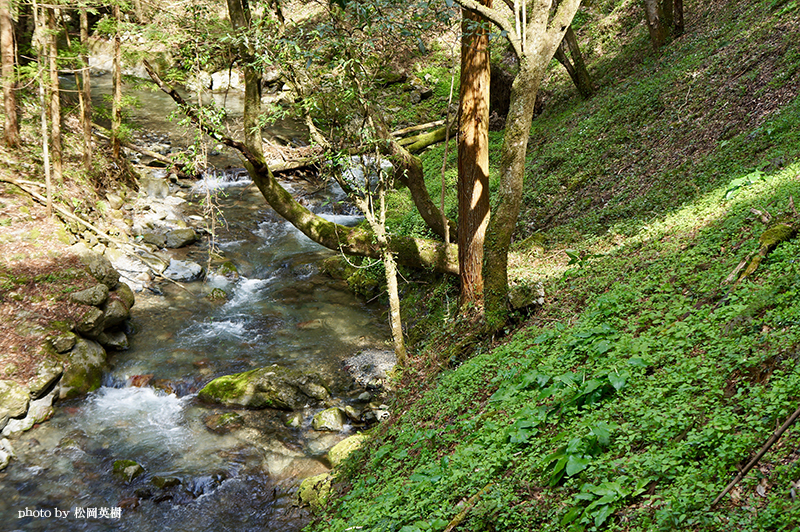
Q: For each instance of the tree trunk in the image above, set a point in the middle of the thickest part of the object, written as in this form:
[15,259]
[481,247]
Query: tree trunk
[512,175]
[414,252]
[580,75]
[239,12]
[55,96]
[473,158]
[677,18]
[86,91]
[116,102]
[40,42]
[656,24]
[11,126]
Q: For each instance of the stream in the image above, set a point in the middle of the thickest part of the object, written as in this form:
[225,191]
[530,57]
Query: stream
[200,474]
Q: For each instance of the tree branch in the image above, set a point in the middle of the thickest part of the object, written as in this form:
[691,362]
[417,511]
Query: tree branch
[496,18]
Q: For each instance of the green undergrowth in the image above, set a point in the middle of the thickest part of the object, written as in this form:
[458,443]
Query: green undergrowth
[651,376]
[629,411]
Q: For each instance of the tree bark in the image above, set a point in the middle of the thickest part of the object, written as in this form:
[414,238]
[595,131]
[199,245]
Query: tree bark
[534,44]
[577,67]
[11,125]
[656,23]
[413,252]
[473,158]
[116,102]
[54,96]
[239,13]
[86,91]
[677,18]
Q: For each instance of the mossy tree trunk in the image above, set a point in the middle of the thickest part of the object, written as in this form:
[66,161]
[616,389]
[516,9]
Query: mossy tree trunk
[473,157]
[534,40]
[11,125]
[239,13]
[413,252]
[664,20]
[576,68]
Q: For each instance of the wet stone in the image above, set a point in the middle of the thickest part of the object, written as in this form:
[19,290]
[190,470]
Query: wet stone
[95,296]
[127,470]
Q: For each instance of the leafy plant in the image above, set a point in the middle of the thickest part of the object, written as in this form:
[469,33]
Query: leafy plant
[603,500]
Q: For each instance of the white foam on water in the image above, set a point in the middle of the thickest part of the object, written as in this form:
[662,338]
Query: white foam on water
[145,416]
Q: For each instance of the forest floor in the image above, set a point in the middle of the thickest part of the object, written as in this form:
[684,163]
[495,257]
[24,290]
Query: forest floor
[651,375]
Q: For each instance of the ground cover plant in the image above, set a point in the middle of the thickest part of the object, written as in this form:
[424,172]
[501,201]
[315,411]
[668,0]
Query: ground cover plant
[654,372]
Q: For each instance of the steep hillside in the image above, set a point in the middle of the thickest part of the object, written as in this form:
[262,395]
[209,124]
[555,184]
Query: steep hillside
[658,366]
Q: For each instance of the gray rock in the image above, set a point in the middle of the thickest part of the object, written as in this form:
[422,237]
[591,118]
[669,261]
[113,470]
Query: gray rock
[95,295]
[226,80]
[6,453]
[14,399]
[371,367]
[270,387]
[526,295]
[98,265]
[177,238]
[114,201]
[179,270]
[46,376]
[84,370]
[63,342]
[115,313]
[91,323]
[124,292]
[114,340]
[332,419]
[157,239]
[40,410]
[154,187]
[201,81]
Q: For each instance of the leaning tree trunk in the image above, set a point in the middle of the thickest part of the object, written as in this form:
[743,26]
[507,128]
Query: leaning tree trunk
[473,158]
[576,68]
[11,131]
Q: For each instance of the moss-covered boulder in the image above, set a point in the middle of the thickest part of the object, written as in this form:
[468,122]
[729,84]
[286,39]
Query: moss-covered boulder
[83,370]
[344,448]
[98,265]
[96,295]
[14,401]
[331,419]
[91,322]
[47,374]
[124,293]
[115,313]
[270,387]
[127,470]
[315,491]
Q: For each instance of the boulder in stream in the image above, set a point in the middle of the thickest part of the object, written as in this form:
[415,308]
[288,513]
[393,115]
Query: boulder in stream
[270,387]
[84,371]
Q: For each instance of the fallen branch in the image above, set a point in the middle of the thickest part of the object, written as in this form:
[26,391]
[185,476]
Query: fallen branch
[418,143]
[772,439]
[471,502]
[181,168]
[769,240]
[420,127]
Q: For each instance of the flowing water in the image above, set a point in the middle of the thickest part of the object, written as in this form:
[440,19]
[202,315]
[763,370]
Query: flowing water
[281,310]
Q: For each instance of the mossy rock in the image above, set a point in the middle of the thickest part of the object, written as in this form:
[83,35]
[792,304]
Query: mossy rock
[315,491]
[217,294]
[344,448]
[228,269]
[165,482]
[222,423]
[270,387]
[127,470]
[83,371]
[14,399]
[330,419]
[124,293]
